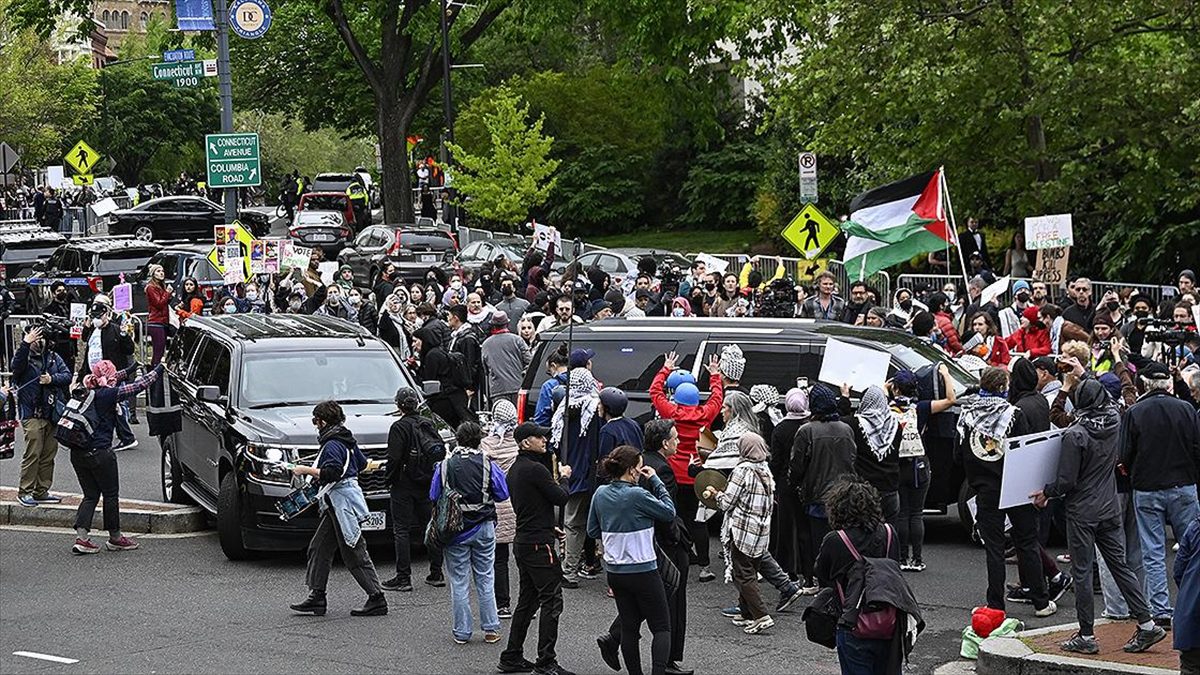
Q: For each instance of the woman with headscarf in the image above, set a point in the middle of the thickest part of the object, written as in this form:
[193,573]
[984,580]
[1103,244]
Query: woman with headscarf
[500,446]
[681,307]
[391,326]
[877,442]
[765,398]
[738,412]
[747,501]
[450,402]
[96,466]
[575,437]
[824,449]
[791,542]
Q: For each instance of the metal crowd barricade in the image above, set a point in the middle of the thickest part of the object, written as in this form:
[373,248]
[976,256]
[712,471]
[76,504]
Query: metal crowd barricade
[1153,291]
[880,281]
[14,331]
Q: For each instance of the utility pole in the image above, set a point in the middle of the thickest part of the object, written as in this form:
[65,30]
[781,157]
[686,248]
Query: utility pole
[447,111]
[225,87]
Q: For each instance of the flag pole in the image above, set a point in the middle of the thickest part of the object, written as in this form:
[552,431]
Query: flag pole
[953,223]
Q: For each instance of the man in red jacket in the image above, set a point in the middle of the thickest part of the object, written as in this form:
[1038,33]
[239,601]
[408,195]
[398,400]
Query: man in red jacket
[690,417]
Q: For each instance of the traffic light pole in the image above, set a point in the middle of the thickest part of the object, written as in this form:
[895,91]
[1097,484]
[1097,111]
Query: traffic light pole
[225,87]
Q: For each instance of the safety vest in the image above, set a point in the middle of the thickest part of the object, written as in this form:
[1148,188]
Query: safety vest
[359,195]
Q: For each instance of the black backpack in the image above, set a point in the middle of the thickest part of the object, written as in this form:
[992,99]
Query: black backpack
[460,375]
[428,449]
[77,425]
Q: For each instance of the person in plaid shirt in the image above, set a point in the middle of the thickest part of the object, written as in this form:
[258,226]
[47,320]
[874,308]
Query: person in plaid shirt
[747,500]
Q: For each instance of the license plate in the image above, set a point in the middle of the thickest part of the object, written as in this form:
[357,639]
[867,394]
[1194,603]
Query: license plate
[321,237]
[427,257]
[377,520]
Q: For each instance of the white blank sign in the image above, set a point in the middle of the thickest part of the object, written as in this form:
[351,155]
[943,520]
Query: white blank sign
[1030,463]
[859,367]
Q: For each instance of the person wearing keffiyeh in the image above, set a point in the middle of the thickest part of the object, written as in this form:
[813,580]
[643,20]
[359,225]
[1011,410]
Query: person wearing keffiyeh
[500,446]
[877,439]
[986,422]
[575,437]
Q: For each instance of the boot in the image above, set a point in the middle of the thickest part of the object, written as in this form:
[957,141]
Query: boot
[376,606]
[315,604]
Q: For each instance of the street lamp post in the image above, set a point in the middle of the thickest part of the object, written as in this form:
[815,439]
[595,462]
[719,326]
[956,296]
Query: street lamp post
[447,111]
[225,87]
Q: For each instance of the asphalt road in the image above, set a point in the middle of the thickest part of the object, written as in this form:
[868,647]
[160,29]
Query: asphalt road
[177,605]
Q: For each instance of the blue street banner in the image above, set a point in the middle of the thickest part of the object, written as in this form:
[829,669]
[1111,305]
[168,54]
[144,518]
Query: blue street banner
[194,15]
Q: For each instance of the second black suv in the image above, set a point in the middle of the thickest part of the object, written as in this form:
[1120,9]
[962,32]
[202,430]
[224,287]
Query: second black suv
[90,265]
[20,249]
[246,385]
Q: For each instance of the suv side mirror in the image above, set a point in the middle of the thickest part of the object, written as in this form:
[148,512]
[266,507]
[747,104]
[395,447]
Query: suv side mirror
[208,394]
[431,387]
[39,266]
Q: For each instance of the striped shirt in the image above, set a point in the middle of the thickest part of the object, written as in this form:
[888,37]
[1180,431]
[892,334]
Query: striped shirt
[623,517]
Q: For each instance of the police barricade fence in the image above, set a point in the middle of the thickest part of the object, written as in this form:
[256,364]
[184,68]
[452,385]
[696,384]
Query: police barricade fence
[932,282]
[1153,291]
[13,333]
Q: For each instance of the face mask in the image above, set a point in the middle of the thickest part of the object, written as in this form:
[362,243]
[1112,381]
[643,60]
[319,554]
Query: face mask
[294,305]
[97,323]
[1141,314]
[677,312]
[508,292]
[251,295]
[906,305]
[231,308]
[456,284]
[1022,298]
[355,300]
[1112,305]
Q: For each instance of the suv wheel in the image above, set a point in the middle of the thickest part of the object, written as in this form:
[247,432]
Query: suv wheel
[172,473]
[229,519]
[143,232]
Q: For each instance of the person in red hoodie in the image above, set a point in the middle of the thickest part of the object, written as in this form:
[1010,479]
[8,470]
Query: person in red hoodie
[158,297]
[939,305]
[1033,337]
[690,417]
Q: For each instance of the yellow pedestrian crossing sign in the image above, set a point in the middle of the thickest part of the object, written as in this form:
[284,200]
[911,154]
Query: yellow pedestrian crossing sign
[811,232]
[82,158]
[807,270]
[83,179]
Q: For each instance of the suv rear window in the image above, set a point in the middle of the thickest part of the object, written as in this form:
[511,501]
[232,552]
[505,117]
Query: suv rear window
[324,203]
[625,364]
[424,240]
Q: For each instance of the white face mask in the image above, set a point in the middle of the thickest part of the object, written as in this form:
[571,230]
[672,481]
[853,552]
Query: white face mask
[355,300]
[251,295]
[97,323]
[456,284]
[231,308]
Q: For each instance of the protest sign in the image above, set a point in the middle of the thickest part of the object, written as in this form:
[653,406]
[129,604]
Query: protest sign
[258,257]
[859,367]
[1052,266]
[543,235]
[78,311]
[713,263]
[234,274]
[994,291]
[1029,464]
[272,256]
[327,271]
[104,207]
[1048,232]
[122,295]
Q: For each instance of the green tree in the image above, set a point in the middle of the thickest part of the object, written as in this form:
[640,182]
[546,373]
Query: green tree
[517,173]
[287,146]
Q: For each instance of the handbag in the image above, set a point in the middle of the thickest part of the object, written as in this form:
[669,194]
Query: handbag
[821,618]
[8,427]
[872,624]
[667,569]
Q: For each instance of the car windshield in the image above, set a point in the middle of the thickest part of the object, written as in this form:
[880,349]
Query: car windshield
[269,380]
[122,261]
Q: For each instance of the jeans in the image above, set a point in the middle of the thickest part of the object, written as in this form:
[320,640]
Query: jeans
[1114,603]
[769,568]
[37,464]
[124,431]
[911,526]
[889,503]
[862,657]
[642,597]
[98,476]
[474,556]
[327,539]
[540,591]
[1176,506]
[1083,539]
[990,520]
[575,523]
[410,506]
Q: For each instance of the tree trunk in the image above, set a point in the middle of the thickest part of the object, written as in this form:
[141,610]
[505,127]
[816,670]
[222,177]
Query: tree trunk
[393,151]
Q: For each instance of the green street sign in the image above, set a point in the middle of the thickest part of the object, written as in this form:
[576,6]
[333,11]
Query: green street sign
[233,160]
[180,73]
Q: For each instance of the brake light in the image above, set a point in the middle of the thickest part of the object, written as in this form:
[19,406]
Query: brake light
[522,398]
[453,240]
[346,232]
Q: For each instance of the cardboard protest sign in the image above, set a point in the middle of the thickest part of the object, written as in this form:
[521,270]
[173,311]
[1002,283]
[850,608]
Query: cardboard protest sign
[258,257]
[859,367]
[543,235]
[1029,464]
[1052,266]
[272,256]
[994,291]
[122,295]
[1048,232]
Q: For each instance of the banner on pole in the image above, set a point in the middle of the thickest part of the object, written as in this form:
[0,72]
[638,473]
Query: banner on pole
[194,15]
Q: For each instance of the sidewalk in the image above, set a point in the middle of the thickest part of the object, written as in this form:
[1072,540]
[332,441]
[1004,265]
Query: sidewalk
[137,516]
[1037,651]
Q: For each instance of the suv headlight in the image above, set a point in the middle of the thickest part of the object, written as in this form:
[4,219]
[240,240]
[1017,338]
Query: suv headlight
[268,463]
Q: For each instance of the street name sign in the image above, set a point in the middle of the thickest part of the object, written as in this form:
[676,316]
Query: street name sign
[233,160]
[179,55]
[180,73]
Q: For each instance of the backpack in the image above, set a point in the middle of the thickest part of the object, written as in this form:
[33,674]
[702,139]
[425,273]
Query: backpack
[428,449]
[446,515]
[77,425]
[871,621]
[460,375]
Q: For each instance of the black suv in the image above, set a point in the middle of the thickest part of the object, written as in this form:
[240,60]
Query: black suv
[629,353]
[20,249]
[89,265]
[246,385]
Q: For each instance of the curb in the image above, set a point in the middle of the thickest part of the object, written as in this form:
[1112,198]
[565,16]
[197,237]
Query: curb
[156,519]
[1011,656]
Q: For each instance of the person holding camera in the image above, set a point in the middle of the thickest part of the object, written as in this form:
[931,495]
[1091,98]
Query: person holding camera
[106,340]
[42,380]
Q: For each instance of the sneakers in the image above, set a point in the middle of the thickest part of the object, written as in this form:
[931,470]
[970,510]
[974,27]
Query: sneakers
[376,606]
[1080,644]
[810,590]
[84,547]
[570,583]
[734,612]
[314,604]
[1144,639]
[1019,595]
[461,641]
[741,622]
[436,580]
[1114,617]
[504,612]
[48,499]
[609,650]
[127,446]
[1058,585]
[788,597]
[122,544]
[759,625]
[706,575]
[523,666]
[589,572]
[1064,558]
[491,637]
[397,584]
[1046,611]
[911,565]
[27,500]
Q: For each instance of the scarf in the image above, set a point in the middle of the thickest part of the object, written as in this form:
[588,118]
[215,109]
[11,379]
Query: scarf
[104,374]
[989,415]
[752,447]
[822,401]
[504,418]
[728,451]
[583,395]
[878,424]
[1094,407]
[796,404]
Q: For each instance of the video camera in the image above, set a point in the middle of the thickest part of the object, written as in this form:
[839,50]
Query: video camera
[55,328]
[778,300]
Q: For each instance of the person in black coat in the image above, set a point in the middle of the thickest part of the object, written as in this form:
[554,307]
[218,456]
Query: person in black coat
[973,241]
[107,340]
[791,544]
[450,403]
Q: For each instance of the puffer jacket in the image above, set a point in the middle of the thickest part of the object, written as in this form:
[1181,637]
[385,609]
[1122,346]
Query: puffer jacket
[689,420]
[502,451]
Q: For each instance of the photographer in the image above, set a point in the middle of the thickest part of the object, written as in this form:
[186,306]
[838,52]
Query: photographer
[58,333]
[42,378]
[107,340]
[1166,341]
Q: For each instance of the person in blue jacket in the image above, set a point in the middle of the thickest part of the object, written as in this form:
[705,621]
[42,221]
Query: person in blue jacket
[41,377]
[575,436]
[556,365]
[1187,603]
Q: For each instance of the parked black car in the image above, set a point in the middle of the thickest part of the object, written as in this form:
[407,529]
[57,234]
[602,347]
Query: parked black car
[411,249]
[20,250]
[181,217]
[629,352]
[244,411]
[90,265]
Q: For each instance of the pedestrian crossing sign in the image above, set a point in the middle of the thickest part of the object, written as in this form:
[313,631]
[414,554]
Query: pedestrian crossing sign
[811,232]
[82,158]
[807,270]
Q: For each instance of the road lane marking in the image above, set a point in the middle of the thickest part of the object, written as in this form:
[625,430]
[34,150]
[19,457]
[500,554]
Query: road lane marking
[46,657]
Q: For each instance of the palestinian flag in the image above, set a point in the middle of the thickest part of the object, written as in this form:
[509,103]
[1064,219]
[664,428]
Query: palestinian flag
[892,223]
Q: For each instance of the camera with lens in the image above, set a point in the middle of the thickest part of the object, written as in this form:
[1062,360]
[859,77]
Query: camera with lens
[1104,344]
[1157,323]
[1170,337]
[54,328]
[778,300]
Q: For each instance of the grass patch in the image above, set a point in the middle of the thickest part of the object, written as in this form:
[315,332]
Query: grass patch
[684,241]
